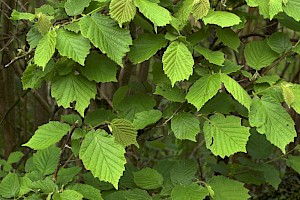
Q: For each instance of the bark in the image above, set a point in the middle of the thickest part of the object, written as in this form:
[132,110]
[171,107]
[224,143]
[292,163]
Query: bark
[7,81]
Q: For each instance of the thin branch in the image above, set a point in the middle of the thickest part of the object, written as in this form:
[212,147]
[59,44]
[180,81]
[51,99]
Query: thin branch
[63,148]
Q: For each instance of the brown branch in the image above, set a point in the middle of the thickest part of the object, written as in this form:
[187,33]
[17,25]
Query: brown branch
[63,148]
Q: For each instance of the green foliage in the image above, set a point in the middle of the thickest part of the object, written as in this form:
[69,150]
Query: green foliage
[203,88]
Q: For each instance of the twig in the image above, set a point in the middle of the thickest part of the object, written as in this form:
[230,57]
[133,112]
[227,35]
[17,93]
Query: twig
[63,148]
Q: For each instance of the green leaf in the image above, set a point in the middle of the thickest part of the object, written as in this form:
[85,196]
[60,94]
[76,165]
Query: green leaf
[275,7]
[45,9]
[229,38]
[25,185]
[66,175]
[252,3]
[258,146]
[271,174]
[171,93]
[185,126]
[122,10]
[103,156]
[221,18]
[14,157]
[33,37]
[127,109]
[72,45]
[47,135]
[16,15]
[271,119]
[200,8]
[45,49]
[74,27]
[279,42]
[258,54]
[76,7]
[237,91]
[68,195]
[214,57]
[177,62]
[34,75]
[148,179]
[10,186]
[296,92]
[46,186]
[294,163]
[183,172]
[145,46]
[70,88]
[124,132]
[292,9]
[203,90]
[227,189]
[158,15]
[145,118]
[271,79]
[43,24]
[105,34]
[45,160]
[99,68]
[88,192]
[230,67]
[288,94]
[192,191]
[98,117]
[225,136]
[137,194]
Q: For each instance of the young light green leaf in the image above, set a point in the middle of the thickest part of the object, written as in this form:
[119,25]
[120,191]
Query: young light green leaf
[279,42]
[227,189]
[225,136]
[14,157]
[258,54]
[236,90]
[158,15]
[124,132]
[122,10]
[70,88]
[275,7]
[292,9]
[145,46]
[252,3]
[46,160]
[230,67]
[47,135]
[16,15]
[45,49]
[105,34]
[185,126]
[189,192]
[271,119]
[10,186]
[221,18]
[200,8]
[76,7]
[214,57]
[72,45]
[177,62]
[229,38]
[99,68]
[203,90]
[145,118]
[288,94]
[103,156]
[148,179]
[43,24]
[25,185]
[74,27]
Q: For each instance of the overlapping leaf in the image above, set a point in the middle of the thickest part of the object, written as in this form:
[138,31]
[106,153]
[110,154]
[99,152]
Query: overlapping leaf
[221,18]
[122,10]
[177,62]
[70,88]
[75,7]
[271,119]
[103,156]
[105,34]
[225,136]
